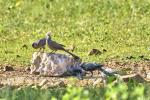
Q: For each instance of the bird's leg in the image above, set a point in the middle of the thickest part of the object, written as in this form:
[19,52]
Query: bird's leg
[91,73]
[52,51]
[55,51]
[99,72]
[86,73]
[43,49]
[39,50]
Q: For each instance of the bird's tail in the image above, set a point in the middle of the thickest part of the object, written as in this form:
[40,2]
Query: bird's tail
[107,72]
[76,57]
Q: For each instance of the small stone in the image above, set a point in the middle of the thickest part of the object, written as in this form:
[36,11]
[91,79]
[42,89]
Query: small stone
[95,52]
[130,57]
[19,88]
[18,56]
[141,56]
[46,86]
[1,85]
[135,77]
[35,73]
[30,84]
[27,69]
[1,67]
[104,50]
[35,87]
[97,82]
[43,82]
[148,76]
[60,84]
[8,68]
[25,46]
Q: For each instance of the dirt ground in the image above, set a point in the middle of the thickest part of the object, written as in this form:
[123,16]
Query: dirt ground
[20,77]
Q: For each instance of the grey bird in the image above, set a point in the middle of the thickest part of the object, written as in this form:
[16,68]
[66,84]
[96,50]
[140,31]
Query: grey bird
[56,46]
[100,67]
[39,44]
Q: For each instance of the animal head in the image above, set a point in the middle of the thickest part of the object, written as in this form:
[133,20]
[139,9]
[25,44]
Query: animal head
[35,45]
[48,35]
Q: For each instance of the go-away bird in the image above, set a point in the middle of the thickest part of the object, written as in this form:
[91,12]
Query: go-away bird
[56,46]
[39,44]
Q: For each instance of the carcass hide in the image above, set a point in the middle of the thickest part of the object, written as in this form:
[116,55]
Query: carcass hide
[53,64]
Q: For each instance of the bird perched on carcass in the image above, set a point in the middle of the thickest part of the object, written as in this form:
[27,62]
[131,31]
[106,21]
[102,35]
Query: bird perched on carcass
[39,44]
[56,46]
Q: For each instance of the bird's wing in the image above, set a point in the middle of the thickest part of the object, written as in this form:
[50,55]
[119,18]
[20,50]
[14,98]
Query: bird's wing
[42,42]
[58,44]
[62,45]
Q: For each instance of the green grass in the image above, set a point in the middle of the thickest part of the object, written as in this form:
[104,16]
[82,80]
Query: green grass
[120,91]
[122,27]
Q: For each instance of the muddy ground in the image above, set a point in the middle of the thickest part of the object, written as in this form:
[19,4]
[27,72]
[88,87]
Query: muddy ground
[20,77]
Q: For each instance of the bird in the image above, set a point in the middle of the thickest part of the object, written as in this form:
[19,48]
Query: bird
[54,46]
[95,66]
[39,44]
[91,67]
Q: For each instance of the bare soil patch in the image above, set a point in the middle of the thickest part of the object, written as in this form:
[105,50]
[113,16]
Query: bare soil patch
[20,77]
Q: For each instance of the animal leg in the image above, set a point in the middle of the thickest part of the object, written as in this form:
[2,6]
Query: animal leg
[52,51]
[43,49]
[55,51]
[91,73]
[39,49]
[99,72]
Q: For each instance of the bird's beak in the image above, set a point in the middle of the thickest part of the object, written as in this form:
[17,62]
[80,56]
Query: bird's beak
[49,34]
